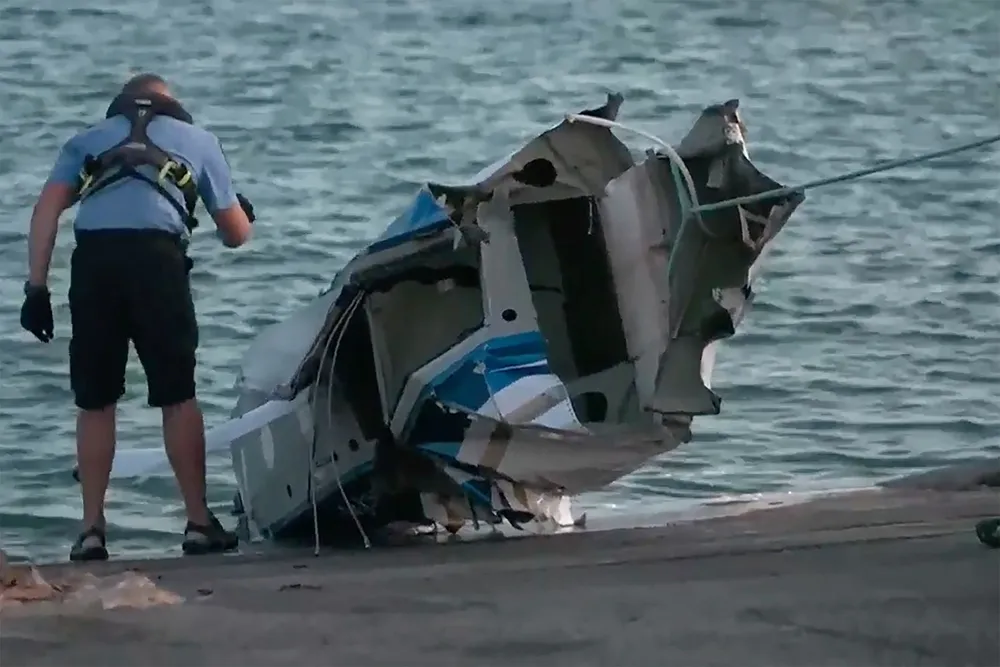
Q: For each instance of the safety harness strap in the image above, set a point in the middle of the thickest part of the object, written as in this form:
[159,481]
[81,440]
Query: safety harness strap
[125,159]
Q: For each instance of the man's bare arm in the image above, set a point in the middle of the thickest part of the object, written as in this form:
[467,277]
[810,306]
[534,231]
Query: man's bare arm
[233,225]
[55,198]
[215,185]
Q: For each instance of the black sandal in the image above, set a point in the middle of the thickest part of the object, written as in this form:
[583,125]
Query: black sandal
[92,544]
[988,532]
[210,539]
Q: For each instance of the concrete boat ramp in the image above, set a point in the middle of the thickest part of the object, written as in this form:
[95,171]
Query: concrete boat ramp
[893,576]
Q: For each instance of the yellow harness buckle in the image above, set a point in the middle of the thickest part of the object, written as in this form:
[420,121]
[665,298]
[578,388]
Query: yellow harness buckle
[166,170]
[177,172]
[86,180]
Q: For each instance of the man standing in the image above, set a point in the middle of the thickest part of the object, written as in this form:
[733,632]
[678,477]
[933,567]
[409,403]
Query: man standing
[137,175]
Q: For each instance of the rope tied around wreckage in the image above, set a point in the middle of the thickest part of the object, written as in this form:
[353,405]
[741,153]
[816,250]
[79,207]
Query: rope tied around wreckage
[851,175]
[697,208]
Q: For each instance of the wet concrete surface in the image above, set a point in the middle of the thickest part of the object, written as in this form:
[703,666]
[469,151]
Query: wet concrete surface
[885,577]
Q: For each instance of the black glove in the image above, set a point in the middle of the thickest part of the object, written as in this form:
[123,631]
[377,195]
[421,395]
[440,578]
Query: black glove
[36,312]
[246,206]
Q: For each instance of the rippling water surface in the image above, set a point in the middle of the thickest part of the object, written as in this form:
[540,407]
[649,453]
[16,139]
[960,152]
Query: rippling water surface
[874,349]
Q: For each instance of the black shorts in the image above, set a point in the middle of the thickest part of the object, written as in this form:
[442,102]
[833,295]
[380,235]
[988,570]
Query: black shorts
[130,285]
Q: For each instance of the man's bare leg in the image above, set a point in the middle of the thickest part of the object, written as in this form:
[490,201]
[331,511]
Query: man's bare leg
[184,437]
[95,454]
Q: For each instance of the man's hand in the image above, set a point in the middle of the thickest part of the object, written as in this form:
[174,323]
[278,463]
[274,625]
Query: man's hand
[246,206]
[36,312]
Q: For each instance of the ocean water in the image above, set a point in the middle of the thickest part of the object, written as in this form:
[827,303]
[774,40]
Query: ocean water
[874,348]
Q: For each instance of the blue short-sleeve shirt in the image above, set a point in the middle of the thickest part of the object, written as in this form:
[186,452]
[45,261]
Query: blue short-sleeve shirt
[134,204]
